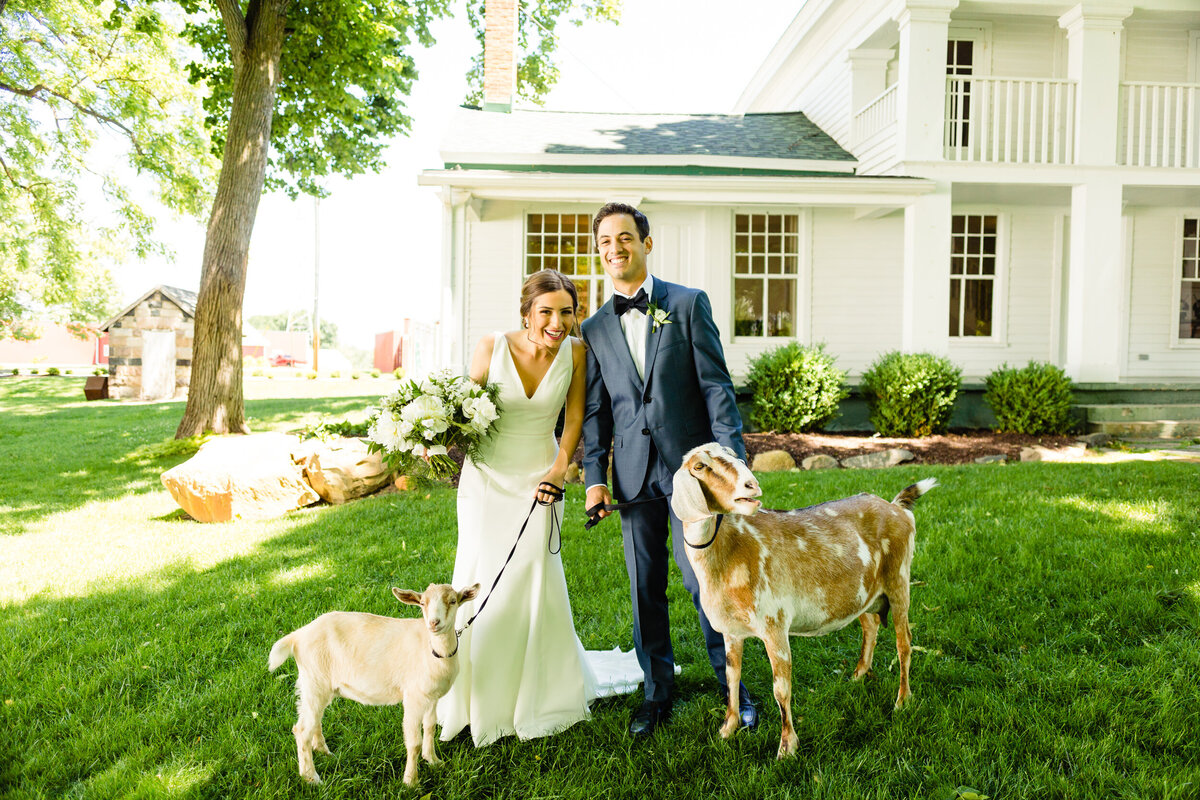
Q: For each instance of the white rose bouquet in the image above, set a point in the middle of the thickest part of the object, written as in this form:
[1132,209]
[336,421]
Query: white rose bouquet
[416,425]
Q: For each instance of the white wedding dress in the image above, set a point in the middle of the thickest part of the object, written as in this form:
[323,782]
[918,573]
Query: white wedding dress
[522,668]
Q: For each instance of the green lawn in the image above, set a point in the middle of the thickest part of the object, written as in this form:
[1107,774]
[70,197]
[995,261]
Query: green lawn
[1056,608]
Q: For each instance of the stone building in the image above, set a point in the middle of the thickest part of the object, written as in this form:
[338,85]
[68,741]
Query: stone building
[150,346]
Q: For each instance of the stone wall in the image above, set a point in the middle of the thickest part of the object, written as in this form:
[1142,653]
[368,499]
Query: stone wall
[155,313]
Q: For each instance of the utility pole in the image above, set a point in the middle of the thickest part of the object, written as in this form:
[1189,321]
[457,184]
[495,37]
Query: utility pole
[316,319]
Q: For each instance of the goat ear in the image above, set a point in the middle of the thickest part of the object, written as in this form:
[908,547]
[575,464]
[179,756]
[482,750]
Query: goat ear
[469,593]
[687,498]
[406,596]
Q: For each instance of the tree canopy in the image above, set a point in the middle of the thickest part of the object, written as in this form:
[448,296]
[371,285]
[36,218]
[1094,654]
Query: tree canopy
[91,93]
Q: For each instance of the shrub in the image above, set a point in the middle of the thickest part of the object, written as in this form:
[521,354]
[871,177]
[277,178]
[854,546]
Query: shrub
[374,373]
[398,373]
[312,375]
[69,372]
[35,371]
[910,394]
[796,388]
[257,372]
[99,371]
[337,373]
[1034,399]
[355,375]
[53,371]
[16,370]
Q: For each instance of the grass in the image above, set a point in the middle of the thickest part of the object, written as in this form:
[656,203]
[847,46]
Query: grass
[1056,606]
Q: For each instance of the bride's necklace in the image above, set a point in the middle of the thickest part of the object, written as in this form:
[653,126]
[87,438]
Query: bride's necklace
[536,346]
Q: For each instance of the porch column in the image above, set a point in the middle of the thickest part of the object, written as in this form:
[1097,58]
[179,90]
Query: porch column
[921,102]
[1095,282]
[925,291]
[452,331]
[1094,63]
[868,79]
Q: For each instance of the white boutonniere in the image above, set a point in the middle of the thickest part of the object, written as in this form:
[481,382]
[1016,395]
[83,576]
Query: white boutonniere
[660,316]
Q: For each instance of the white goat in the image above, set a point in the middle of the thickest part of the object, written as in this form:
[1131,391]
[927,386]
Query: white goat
[376,661]
[807,572]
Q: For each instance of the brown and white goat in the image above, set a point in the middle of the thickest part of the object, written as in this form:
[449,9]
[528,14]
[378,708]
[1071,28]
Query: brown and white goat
[376,661]
[771,574]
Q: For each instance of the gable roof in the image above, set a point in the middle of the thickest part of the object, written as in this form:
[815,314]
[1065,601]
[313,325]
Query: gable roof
[649,143]
[183,298]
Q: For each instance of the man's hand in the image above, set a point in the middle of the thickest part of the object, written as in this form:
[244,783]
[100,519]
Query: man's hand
[598,494]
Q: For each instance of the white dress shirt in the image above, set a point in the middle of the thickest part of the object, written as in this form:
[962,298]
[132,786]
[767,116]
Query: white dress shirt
[633,324]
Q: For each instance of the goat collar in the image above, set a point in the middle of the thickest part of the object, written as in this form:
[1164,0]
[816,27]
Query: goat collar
[436,654]
[712,539]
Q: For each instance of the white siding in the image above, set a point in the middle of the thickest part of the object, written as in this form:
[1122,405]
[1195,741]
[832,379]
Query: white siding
[1027,48]
[494,272]
[1155,269]
[857,269]
[1156,53]
[1025,310]
[826,101]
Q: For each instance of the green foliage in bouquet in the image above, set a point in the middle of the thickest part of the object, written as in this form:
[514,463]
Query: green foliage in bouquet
[416,426]
[1033,399]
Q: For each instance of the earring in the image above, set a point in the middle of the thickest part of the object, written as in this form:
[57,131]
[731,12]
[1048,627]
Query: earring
[524,323]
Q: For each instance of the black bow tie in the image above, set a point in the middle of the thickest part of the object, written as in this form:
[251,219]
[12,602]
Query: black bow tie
[638,301]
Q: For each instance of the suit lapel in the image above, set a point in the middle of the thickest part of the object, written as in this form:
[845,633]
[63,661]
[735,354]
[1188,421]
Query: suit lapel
[659,299]
[611,324]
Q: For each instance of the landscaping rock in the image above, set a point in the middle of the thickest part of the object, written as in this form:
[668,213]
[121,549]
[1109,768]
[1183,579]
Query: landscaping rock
[820,461]
[878,460]
[773,461]
[240,477]
[1094,440]
[995,458]
[1039,453]
[342,469]
[1031,453]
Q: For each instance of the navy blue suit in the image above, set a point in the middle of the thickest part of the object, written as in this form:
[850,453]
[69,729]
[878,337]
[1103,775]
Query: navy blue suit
[685,400]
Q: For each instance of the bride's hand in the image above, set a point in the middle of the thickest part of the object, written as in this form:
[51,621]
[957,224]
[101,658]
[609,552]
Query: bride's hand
[554,476]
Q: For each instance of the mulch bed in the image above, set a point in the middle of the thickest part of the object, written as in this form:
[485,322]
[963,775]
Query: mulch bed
[956,447]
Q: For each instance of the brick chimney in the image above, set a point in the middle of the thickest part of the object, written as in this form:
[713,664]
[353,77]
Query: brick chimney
[499,55]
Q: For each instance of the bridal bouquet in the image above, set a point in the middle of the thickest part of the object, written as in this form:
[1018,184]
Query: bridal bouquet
[416,425]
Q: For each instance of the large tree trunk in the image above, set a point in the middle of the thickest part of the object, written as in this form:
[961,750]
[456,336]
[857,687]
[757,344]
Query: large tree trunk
[215,401]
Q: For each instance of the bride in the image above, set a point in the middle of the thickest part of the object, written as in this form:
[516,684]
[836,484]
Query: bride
[522,668]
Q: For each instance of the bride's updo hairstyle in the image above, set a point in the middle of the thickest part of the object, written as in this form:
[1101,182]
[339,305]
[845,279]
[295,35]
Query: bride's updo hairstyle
[544,282]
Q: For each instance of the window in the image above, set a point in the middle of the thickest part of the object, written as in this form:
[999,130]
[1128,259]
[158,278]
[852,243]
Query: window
[1189,286]
[960,59]
[972,274]
[564,242]
[766,260]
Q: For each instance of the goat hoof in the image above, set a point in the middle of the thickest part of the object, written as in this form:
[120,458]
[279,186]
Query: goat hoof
[860,673]
[323,748]
[730,727]
[787,749]
[312,778]
[432,759]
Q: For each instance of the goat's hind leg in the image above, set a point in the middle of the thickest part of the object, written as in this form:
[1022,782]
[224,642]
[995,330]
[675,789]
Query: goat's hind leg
[870,630]
[779,650]
[310,707]
[903,650]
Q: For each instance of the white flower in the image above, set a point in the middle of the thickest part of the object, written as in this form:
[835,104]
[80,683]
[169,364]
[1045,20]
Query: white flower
[658,316]
[385,431]
[481,411]
[424,407]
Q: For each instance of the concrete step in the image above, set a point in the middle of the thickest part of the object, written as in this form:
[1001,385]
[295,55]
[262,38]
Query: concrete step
[1142,412]
[1148,429]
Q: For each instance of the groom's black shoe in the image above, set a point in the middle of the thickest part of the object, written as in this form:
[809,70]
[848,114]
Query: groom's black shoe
[649,716]
[747,711]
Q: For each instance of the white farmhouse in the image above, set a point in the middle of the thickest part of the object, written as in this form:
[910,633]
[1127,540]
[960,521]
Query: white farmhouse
[996,181]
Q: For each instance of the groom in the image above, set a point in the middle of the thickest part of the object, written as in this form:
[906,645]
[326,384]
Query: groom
[657,386]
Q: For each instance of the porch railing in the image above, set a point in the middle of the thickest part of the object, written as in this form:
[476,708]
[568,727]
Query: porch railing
[1012,120]
[876,115]
[1160,125]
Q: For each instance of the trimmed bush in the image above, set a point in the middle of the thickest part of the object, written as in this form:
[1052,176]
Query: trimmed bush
[99,371]
[398,373]
[374,372]
[1033,399]
[337,373]
[354,376]
[796,388]
[16,370]
[910,394]
[53,371]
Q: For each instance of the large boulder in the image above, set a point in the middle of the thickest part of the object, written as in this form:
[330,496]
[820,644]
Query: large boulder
[240,477]
[773,461]
[342,469]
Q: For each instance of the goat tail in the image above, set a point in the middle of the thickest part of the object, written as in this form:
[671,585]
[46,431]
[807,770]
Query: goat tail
[281,651]
[908,498]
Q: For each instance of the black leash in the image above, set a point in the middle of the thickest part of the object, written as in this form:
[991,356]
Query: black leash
[594,518]
[556,494]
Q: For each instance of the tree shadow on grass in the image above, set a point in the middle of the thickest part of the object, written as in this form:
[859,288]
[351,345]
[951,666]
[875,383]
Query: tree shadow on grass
[165,675]
[61,452]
